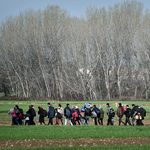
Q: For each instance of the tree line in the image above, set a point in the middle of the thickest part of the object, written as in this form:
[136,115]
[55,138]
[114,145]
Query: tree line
[104,55]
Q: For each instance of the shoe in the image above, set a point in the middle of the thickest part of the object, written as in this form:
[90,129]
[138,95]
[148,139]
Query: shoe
[18,124]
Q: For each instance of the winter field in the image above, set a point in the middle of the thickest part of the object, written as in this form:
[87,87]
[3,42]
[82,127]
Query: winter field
[76,137]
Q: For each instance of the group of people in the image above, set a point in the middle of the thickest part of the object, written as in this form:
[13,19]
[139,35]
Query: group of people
[136,113]
[75,115]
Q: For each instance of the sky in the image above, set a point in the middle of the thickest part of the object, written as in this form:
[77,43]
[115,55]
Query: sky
[74,7]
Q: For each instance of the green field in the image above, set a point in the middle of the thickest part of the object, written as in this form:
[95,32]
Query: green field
[8,132]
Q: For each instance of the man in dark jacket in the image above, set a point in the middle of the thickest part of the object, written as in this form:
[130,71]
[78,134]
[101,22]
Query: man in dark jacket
[120,113]
[87,115]
[67,114]
[128,115]
[31,114]
[97,112]
[133,113]
[51,113]
[109,122]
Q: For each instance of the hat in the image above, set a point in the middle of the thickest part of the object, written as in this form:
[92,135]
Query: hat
[72,106]
[107,104]
[76,107]
[100,107]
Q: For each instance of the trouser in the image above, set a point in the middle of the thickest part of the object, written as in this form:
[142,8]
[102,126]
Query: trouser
[100,121]
[80,118]
[61,121]
[57,121]
[50,121]
[120,120]
[77,119]
[133,120]
[42,122]
[87,120]
[27,122]
[69,121]
[14,119]
[139,123]
[31,120]
[109,122]
[127,121]
[95,120]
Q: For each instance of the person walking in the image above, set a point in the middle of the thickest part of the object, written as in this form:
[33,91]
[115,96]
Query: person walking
[14,117]
[133,113]
[87,115]
[79,115]
[31,114]
[51,113]
[41,118]
[67,114]
[127,113]
[109,122]
[101,116]
[61,111]
[120,113]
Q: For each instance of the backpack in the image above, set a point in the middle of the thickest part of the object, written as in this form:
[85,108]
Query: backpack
[44,113]
[112,112]
[82,109]
[87,105]
[33,113]
[77,111]
[93,114]
[97,110]
[67,112]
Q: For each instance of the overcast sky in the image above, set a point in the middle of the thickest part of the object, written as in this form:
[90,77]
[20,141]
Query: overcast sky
[74,7]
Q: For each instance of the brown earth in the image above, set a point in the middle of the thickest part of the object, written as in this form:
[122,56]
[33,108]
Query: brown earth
[146,122]
[74,142]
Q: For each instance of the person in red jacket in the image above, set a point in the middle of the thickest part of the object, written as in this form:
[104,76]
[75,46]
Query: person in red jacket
[120,113]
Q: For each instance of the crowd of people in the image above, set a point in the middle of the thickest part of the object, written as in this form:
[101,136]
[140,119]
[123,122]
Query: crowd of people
[78,116]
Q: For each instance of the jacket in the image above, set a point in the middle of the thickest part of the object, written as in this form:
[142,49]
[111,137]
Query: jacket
[51,112]
[65,111]
[120,111]
[87,112]
[13,113]
[101,113]
[61,111]
[108,110]
[41,118]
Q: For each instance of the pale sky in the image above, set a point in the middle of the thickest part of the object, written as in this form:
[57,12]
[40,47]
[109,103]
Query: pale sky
[74,7]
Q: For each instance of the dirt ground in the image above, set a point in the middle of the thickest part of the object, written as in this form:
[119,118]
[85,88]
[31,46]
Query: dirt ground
[146,122]
[74,142]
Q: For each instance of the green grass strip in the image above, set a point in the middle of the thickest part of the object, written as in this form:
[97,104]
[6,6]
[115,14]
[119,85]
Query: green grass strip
[75,132]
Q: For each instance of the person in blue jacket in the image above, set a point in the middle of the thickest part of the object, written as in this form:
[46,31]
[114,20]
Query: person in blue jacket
[51,113]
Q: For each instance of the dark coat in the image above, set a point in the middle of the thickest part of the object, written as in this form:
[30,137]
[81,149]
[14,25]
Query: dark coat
[133,111]
[51,112]
[120,111]
[41,118]
[101,113]
[66,109]
[87,112]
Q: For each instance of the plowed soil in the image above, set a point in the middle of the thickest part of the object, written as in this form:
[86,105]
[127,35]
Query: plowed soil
[74,142]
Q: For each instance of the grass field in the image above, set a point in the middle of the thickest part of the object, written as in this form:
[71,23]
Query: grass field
[37,132]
